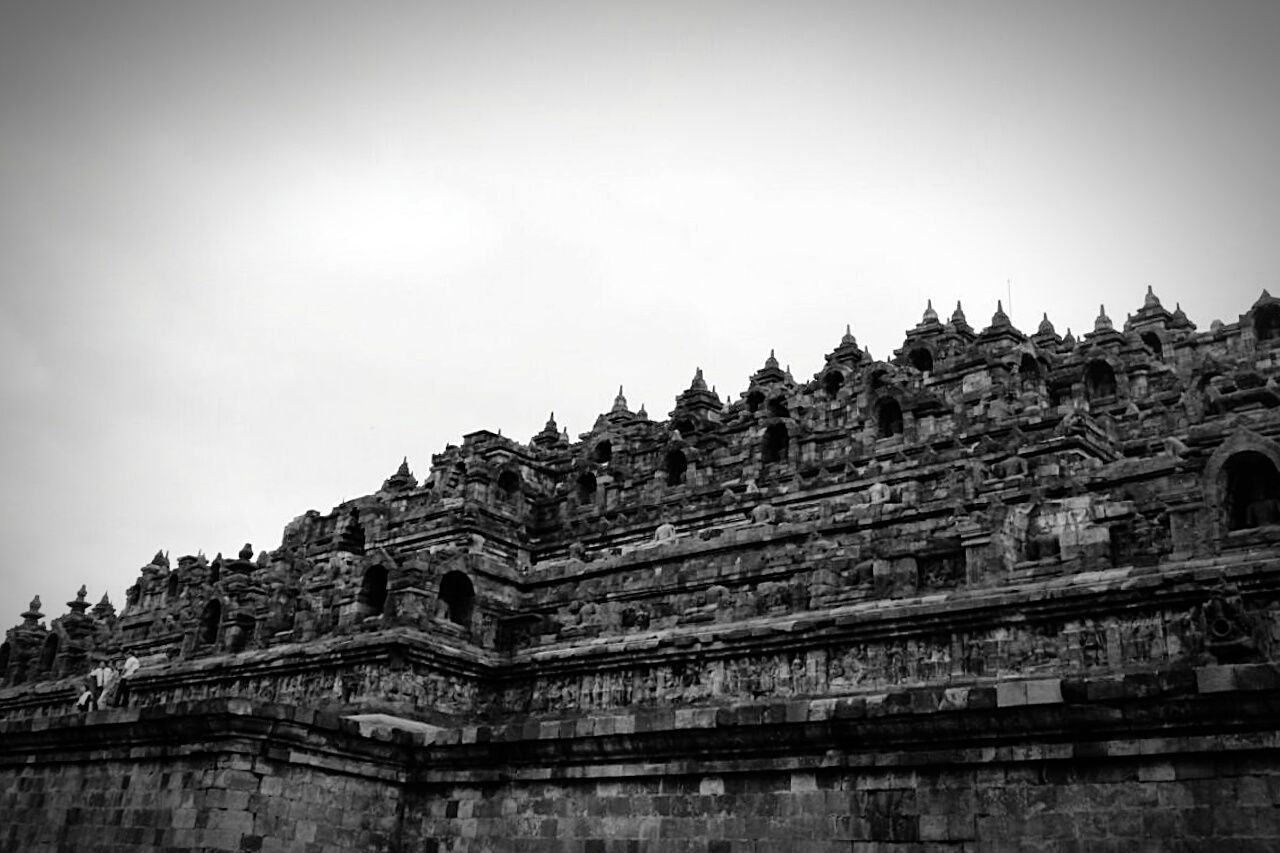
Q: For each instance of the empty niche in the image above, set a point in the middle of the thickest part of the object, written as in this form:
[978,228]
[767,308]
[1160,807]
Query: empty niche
[586,488]
[889,418]
[171,592]
[921,359]
[508,485]
[457,598]
[1152,342]
[1266,323]
[49,652]
[603,453]
[210,618]
[373,591]
[754,401]
[1099,380]
[676,465]
[832,382]
[1029,371]
[1252,495]
[775,444]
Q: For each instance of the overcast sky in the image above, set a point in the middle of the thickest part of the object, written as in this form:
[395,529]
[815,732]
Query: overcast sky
[252,254]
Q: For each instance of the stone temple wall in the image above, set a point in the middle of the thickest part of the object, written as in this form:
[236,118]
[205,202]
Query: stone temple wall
[1002,591]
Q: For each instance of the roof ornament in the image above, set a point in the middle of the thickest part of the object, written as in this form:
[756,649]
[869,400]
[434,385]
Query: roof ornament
[931,316]
[1150,300]
[698,384]
[620,402]
[1046,328]
[1103,323]
[999,318]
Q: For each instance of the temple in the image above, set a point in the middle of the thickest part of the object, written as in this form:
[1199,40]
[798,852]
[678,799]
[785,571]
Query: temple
[1002,589]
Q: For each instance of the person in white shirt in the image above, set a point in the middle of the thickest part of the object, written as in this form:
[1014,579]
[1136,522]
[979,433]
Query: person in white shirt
[130,666]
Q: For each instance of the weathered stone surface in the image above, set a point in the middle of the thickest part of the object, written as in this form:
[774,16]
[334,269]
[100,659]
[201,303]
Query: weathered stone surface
[998,592]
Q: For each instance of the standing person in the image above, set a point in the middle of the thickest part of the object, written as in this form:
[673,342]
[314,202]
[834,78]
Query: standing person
[99,676]
[110,680]
[88,700]
[131,664]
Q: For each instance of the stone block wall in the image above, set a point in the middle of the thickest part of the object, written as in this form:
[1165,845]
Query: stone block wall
[208,776]
[1137,804]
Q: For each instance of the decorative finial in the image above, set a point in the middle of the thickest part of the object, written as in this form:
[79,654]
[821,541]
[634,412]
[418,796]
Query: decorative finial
[620,401]
[999,318]
[1069,339]
[82,592]
[246,553]
[160,560]
[1151,300]
[1046,328]
[698,384]
[930,316]
[957,316]
[403,470]
[771,361]
[1103,323]
[848,336]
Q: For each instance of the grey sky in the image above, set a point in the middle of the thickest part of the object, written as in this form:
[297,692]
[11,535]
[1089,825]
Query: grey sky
[252,254]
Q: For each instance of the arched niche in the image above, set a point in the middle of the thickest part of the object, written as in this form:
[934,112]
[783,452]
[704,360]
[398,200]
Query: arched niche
[1242,483]
[1266,323]
[508,485]
[1154,345]
[171,589]
[775,445]
[373,591]
[921,359]
[1250,491]
[210,619]
[676,464]
[602,453]
[755,399]
[832,382]
[1099,380]
[457,598]
[683,425]
[586,488]
[1028,370]
[889,420]
[48,653]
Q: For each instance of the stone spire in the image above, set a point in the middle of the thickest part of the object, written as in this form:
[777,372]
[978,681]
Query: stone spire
[930,316]
[402,479]
[770,373]
[620,404]
[104,609]
[1151,300]
[698,402]
[1000,318]
[1103,322]
[79,606]
[33,614]
[848,351]
[1046,328]
[959,323]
